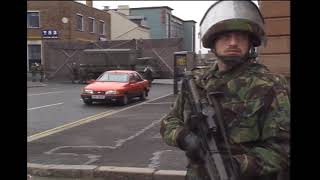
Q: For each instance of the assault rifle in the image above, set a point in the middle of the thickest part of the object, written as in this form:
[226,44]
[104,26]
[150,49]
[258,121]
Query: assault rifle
[205,116]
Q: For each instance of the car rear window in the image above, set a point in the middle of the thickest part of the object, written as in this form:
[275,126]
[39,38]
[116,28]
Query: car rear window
[113,77]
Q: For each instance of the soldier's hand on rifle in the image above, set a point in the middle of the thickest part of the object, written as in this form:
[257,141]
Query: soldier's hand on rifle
[190,143]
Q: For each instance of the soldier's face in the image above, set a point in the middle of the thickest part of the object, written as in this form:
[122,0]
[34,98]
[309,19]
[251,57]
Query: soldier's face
[232,44]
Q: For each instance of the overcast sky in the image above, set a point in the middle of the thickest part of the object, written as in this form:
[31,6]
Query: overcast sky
[185,10]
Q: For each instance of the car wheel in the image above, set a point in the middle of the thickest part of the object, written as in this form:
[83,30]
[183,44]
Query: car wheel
[124,100]
[87,102]
[143,95]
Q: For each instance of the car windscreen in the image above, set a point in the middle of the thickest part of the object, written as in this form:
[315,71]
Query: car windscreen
[113,77]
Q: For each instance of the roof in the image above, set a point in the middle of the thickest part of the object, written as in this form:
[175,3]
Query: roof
[121,71]
[182,19]
[154,7]
[84,5]
[129,18]
[190,21]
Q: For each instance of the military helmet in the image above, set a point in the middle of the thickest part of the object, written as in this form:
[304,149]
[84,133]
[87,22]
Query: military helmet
[226,16]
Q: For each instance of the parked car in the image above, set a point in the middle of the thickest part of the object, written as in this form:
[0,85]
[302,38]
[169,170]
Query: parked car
[116,86]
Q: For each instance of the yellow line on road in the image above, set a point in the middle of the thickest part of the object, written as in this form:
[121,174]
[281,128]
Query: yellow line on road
[67,126]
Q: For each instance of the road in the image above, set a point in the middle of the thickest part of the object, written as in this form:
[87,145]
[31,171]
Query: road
[126,136]
[58,104]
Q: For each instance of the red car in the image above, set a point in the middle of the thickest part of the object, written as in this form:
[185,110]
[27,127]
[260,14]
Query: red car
[116,86]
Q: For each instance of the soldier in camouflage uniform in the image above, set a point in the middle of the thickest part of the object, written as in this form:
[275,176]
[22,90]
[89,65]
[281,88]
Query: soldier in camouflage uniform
[82,73]
[41,72]
[147,73]
[33,70]
[255,102]
[75,72]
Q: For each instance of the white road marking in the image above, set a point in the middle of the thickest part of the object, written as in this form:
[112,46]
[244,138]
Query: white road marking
[44,106]
[46,93]
[155,160]
[118,143]
[89,119]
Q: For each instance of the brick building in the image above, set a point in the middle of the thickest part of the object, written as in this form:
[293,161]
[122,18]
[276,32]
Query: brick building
[63,20]
[276,55]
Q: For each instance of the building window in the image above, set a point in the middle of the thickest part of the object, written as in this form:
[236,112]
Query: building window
[34,54]
[101,28]
[33,19]
[91,25]
[79,22]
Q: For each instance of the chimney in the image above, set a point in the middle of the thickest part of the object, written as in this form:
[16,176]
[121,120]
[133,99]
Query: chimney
[106,8]
[89,3]
[124,9]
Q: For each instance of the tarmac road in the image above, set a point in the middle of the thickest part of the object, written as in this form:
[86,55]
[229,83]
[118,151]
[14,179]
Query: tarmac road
[57,104]
[127,138]
[123,137]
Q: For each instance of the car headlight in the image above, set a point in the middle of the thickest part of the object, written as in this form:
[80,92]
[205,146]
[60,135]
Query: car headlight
[88,91]
[112,92]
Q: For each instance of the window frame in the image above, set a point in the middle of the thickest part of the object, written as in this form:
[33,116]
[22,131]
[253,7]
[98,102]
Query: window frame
[82,22]
[38,42]
[138,77]
[103,29]
[33,11]
[93,25]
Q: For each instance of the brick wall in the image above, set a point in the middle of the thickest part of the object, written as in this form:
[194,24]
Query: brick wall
[276,55]
[51,13]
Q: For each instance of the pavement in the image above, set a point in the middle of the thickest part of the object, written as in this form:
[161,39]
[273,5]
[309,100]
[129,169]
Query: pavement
[92,172]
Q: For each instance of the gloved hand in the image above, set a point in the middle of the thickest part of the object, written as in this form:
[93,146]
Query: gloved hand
[190,143]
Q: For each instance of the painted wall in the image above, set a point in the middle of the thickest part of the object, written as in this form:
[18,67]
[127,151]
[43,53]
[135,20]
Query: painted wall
[155,19]
[189,35]
[122,28]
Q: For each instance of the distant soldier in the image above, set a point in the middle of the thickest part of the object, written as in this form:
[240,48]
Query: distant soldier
[33,70]
[147,73]
[75,72]
[82,73]
[91,72]
[41,72]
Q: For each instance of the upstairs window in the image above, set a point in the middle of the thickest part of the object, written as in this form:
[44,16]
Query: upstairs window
[91,25]
[101,27]
[79,20]
[33,19]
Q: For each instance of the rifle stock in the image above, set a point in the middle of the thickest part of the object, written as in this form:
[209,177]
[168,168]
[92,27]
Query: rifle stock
[203,114]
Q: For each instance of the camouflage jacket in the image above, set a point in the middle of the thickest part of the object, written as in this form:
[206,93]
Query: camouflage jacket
[256,114]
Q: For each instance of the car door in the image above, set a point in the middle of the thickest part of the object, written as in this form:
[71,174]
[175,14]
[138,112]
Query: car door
[133,85]
[140,83]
